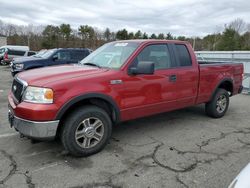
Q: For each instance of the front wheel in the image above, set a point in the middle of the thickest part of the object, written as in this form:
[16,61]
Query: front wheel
[86,131]
[218,106]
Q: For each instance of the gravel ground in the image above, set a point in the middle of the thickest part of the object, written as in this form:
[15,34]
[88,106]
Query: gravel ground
[184,148]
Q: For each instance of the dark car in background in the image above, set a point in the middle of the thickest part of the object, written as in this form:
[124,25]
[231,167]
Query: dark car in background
[50,57]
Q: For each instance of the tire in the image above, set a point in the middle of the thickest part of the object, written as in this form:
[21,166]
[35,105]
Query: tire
[82,129]
[218,106]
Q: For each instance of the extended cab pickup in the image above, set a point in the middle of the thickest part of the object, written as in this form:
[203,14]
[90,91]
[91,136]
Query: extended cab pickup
[120,81]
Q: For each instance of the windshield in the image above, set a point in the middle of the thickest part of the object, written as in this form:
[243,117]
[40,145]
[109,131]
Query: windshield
[40,53]
[111,55]
[45,54]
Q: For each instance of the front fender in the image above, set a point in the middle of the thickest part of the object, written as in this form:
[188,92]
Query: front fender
[79,98]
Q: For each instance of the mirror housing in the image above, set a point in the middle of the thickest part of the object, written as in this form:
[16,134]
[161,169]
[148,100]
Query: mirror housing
[143,67]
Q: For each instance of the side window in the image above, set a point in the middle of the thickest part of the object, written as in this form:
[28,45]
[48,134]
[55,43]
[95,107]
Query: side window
[159,54]
[31,53]
[78,55]
[63,55]
[183,54]
[16,52]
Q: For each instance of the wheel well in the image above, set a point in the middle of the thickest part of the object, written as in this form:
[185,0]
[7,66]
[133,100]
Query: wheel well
[228,86]
[101,103]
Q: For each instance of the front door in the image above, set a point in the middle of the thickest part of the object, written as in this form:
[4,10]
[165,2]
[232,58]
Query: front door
[61,57]
[143,95]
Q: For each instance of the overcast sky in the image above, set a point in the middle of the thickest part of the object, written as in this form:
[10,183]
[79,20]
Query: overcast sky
[180,17]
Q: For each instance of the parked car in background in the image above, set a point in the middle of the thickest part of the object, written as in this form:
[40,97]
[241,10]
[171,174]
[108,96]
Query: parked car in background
[8,53]
[13,47]
[24,58]
[49,58]
[120,81]
[15,54]
[5,49]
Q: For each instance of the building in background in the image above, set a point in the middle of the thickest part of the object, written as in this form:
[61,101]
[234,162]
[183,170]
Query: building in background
[3,40]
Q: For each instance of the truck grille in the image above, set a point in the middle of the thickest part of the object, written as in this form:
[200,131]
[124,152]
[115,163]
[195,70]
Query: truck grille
[17,89]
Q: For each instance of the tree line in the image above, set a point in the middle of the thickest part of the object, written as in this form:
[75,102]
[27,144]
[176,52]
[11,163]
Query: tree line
[235,36]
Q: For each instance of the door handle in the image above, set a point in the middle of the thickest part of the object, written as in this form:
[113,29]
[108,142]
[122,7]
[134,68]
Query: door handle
[172,78]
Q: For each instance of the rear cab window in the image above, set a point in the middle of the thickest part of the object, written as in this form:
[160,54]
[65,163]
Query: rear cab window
[183,55]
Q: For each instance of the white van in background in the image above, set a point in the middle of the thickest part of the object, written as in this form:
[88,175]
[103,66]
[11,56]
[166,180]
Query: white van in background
[15,47]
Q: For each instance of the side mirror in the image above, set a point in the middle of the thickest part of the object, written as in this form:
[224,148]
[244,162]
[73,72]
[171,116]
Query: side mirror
[143,67]
[55,57]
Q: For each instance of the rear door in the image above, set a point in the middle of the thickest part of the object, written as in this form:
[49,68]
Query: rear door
[187,76]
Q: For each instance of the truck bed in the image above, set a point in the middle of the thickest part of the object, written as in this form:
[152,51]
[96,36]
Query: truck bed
[213,72]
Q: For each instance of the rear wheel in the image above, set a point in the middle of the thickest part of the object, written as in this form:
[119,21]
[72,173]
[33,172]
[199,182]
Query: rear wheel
[218,106]
[86,131]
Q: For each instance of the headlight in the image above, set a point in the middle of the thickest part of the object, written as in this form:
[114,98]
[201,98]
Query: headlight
[38,95]
[19,66]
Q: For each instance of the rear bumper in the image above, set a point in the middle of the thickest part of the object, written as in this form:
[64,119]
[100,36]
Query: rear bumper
[44,130]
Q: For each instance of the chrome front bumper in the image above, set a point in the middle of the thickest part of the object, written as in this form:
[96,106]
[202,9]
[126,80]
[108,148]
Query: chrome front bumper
[44,130]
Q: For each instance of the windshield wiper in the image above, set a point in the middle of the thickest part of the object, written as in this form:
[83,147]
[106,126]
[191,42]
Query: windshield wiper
[92,64]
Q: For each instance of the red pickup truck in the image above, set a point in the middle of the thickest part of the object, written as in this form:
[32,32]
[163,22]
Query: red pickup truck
[120,81]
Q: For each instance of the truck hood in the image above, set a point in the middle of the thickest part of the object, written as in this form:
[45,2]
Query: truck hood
[43,76]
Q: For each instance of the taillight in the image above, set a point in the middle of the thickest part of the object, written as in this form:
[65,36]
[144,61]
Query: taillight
[5,57]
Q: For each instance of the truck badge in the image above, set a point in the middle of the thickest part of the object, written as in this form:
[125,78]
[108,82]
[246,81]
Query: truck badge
[113,82]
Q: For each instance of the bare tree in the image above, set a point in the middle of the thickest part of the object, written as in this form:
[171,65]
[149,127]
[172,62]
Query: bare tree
[248,27]
[238,25]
